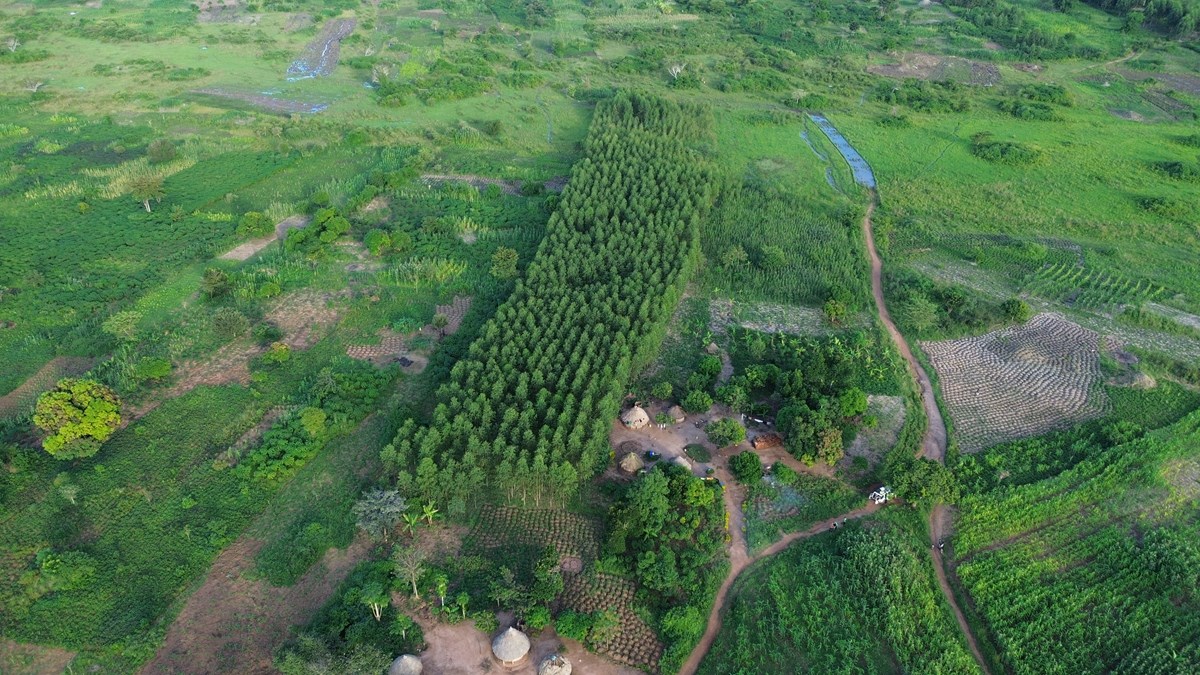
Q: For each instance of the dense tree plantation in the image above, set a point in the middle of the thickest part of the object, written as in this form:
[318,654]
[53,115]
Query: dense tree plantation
[858,599]
[1094,569]
[528,409]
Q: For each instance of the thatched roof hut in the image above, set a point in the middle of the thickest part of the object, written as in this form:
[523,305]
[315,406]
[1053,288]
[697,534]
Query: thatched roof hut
[510,647]
[632,463]
[683,462]
[406,664]
[554,665]
[635,418]
[677,414]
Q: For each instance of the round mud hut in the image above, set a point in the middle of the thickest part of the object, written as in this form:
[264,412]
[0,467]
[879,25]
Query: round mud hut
[511,648]
[406,664]
[554,665]
[677,415]
[631,463]
[635,418]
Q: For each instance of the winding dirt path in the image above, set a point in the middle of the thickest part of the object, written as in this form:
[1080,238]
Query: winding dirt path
[940,527]
[739,561]
[934,444]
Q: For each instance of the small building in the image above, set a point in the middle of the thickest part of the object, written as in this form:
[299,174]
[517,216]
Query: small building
[677,414]
[635,418]
[712,349]
[554,665]
[632,463]
[683,462]
[511,648]
[406,664]
[764,441]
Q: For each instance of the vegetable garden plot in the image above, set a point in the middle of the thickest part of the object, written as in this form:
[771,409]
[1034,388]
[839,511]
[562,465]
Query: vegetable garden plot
[633,643]
[321,55]
[1019,382]
[503,527]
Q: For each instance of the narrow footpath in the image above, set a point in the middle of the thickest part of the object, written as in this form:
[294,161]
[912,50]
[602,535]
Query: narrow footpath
[933,447]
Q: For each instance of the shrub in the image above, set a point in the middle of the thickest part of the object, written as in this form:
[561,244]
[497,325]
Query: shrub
[254,224]
[377,241]
[746,467]
[571,624]
[1016,309]
[228,323]
[698,452]
[152,368]
[1004,152]
[662,390]
[160,151]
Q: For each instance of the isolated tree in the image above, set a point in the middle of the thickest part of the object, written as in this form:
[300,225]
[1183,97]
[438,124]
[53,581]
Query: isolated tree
[441,585]
[313,421]
[12,43]
[374,595]
[122,325]
[409,565]
[160,151]
[725,432]
[734,257]
[401,624]
[463,600]
[835,311]
[504,263]
[920,313]
[440,321]
[32,85]
[228,323]
[377,512]
[145,187]
[746,467]
[675,70]
[78,415]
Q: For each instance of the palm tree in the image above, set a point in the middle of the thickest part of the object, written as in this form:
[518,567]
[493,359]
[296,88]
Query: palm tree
[428,512]
[411,521]
[146,187]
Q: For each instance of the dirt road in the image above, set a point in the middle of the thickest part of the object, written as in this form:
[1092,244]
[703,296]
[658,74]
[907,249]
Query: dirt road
[934,445]
[738,563]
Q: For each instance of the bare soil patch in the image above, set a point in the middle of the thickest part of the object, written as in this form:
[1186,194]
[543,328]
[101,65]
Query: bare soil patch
[320,56]
[223,11]
[233,624]
[874,443]
[298,21]
[923,66]
[1128,115]
[509,187]
[248,249]
[769,317]
[454,313]
[1021,381]
[305,316]
[25,659]
[25,395]
[265,101]
[1178,81]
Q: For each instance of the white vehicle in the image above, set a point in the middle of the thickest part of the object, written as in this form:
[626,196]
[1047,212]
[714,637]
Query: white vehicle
[882,495]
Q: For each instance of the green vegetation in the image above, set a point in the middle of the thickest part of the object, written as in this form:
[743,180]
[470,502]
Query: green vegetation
[860,597]
[1111,540]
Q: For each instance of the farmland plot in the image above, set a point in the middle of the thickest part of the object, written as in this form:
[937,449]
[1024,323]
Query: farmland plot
[1021,381]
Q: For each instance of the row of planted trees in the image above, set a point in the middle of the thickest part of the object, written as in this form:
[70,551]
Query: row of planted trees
[532,400]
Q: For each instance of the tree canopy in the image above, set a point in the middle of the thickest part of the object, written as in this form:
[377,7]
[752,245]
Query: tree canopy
[78,415]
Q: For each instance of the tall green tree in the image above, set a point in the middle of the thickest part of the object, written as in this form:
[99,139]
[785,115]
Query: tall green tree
[78,415]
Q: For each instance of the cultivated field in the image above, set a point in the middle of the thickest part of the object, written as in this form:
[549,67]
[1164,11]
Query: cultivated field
[1019,382]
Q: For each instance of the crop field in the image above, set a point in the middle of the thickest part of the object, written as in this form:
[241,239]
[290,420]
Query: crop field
[502,529]
[832,603]
[1092,570]
[1018,382]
